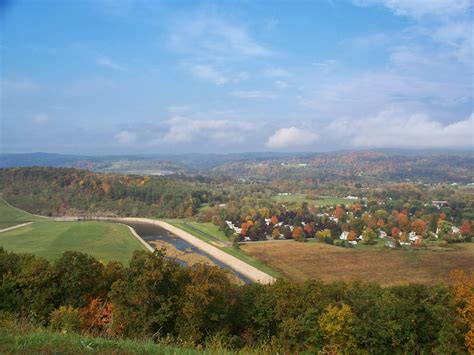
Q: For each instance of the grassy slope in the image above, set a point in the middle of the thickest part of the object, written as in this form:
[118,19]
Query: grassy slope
[40,341]
[105,241]
[300,261]
[208,232]
[12,215]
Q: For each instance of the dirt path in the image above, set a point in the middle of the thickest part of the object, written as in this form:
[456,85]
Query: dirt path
[15,227]
[238,265]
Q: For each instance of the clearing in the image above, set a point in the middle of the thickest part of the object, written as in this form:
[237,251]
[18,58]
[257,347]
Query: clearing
[301,261]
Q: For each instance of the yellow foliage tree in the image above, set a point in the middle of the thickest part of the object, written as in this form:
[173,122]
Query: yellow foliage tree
[336,323]
[462,288]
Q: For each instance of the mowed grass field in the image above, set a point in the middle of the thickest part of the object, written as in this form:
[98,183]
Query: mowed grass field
[105,241]
[323,201]
[302,261]
[11,216]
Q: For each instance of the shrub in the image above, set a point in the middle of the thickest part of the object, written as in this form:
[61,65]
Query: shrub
[66,319]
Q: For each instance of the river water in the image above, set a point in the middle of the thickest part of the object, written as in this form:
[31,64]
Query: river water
[151,232]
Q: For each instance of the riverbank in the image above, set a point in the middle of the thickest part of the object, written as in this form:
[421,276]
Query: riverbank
[234,263]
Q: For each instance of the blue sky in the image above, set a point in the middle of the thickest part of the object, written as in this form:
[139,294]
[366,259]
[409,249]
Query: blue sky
[120,76]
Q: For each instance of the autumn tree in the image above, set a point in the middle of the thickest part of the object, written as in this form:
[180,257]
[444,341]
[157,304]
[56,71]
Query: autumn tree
[368,236]
[297,233]
[419,226]
[276,233]
[462,288]
[466,229]
[336,324]
[339,212]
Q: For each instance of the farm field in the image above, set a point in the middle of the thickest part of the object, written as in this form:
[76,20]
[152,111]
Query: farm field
[301,261]
[105,241]
[323,201]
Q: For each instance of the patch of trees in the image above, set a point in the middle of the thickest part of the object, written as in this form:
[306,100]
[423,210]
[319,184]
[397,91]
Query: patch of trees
[156,298]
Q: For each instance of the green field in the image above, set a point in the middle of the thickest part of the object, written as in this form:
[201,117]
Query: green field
[323,201]
[105,241]
[10,215]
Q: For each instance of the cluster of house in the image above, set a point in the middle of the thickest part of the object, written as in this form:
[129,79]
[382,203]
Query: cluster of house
[412,237]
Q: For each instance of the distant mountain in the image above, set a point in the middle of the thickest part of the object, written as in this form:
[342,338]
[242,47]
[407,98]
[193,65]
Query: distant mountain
[394,165]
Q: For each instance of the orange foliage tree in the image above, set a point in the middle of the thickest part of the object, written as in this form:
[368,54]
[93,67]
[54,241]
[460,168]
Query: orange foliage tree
[462,288]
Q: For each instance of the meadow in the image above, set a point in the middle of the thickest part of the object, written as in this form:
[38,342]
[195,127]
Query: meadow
[302,261]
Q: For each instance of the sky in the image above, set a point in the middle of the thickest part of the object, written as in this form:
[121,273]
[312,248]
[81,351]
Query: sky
[132,77]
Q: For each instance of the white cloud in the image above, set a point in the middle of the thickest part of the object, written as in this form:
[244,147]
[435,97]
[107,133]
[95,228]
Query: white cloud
[209,36]
[291,137]
[125,137]
[221,131]
[417,8]
[253,94]
[108,63]
[207,72]
[396,128]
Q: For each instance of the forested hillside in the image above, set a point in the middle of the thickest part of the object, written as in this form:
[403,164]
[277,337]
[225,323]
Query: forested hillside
[58,191]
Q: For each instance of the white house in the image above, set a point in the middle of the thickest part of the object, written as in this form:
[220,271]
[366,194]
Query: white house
[344,235]
[382,234]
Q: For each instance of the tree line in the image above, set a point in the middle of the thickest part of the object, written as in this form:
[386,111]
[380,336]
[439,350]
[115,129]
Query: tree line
[156,298]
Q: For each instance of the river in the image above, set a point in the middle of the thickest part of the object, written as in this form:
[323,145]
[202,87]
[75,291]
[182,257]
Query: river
[155,236]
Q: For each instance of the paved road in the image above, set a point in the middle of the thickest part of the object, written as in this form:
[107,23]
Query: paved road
[238,265]
[15,227]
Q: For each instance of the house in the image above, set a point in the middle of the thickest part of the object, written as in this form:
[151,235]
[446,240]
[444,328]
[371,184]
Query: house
[412,237]
[344,235]
[382,234]
[439,204]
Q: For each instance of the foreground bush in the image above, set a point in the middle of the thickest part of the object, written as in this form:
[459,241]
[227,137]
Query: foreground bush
[157,299]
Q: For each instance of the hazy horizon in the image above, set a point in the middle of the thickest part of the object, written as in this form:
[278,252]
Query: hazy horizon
[136,77]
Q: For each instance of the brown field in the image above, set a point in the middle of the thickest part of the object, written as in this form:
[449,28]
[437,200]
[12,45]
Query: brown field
[302,261]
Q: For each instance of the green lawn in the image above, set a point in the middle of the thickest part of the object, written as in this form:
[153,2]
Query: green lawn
[10,214]
[323,201]
[105,241]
